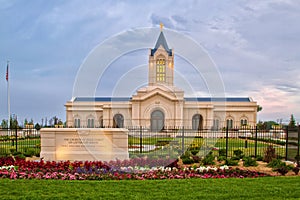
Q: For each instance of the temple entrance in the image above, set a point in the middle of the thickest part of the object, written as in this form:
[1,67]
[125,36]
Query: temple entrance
[118,121]
[197,122]
[157,121]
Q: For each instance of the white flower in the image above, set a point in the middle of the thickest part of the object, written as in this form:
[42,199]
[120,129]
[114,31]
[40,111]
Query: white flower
[224,167]
[11,167]
[201,169]
[168,169]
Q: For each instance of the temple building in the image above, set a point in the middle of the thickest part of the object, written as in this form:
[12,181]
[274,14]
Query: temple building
[161,104]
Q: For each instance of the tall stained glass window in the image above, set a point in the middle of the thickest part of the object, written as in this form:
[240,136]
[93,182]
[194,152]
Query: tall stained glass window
[160,70]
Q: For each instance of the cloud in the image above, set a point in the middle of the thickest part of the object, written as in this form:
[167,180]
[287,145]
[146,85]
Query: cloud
[253,43]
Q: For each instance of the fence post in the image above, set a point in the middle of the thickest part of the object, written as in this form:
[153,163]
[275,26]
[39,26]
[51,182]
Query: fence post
[141,139]
[16,135]
[182,140]
[286,143]
[226,141]
[255,148]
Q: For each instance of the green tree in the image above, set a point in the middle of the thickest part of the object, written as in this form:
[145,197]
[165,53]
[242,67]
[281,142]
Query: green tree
[14,122]
[259,108]
[25,122]
[292,123]
[37,126]
[268,124]
[261,125]
[4,124]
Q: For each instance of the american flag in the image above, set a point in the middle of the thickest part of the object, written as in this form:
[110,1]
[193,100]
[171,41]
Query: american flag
[7,73]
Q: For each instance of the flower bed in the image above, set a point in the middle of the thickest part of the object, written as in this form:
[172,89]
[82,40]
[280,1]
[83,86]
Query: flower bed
[134,169]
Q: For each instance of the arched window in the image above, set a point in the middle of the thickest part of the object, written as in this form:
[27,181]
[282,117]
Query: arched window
[161,70]
[77,123]
[91,123]
[197,122]
[118,121]
[157,121]
[229,123]
[244,122]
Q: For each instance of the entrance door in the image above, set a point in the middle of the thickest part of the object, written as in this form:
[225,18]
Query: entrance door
[118,121]
[157,121]
[197,122]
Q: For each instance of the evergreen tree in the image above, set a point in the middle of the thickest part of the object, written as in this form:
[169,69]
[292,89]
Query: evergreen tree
[292,123]
[37,126]
[4,124]
[259,108]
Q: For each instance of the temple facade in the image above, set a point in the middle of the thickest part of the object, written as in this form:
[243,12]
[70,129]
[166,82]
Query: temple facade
[161,104]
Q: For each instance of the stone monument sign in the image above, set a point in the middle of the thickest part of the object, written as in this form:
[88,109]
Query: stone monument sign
[105,144]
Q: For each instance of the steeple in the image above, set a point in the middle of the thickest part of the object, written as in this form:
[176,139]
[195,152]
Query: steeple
[161,62]
[161,41]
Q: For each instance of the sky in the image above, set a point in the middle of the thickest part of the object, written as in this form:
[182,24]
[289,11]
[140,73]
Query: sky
[254,45]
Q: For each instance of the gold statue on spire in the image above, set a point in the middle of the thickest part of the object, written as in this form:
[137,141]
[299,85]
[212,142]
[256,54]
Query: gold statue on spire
[161,26]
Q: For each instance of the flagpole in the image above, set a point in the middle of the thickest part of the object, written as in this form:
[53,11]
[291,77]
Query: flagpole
[8,94]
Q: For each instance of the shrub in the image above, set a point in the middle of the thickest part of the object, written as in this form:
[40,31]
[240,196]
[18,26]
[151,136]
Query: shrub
[29,152]
[16,153]
[280,166]
[196,159]
[222,152]
[296,170]
[20,156]
[269,154]
[194,152]
[290,167]
[221,158]
[231,162]
[37,154]
[186,154]
[238,153]
[275,163]
[12,150]
[282,170]
[259,158]
[248,161]
[235,158]
[208,159]
[186,160]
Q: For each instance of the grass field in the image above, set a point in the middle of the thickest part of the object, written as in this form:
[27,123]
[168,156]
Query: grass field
[220,143]
[260,188]
[233,144]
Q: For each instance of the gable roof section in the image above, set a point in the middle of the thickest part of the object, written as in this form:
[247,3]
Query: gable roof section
[157,91]
[161,41]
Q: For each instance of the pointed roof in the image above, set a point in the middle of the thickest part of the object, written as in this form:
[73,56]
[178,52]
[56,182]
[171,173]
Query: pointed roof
[161,41]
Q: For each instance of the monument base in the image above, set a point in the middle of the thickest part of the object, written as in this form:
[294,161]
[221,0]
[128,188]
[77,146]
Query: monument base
[84,144]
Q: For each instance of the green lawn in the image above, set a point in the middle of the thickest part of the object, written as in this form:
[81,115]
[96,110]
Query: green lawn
[233,144]
[260,188]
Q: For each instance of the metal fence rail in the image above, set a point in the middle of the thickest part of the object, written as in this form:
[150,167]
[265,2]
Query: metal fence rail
[174,141]
[19,141]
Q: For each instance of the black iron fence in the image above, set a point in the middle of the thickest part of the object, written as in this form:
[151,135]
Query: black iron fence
[25,142]
[292,143]
[174,141]
[251,141]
